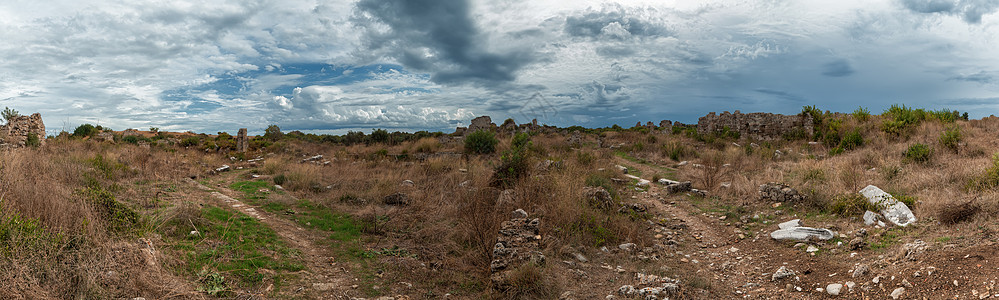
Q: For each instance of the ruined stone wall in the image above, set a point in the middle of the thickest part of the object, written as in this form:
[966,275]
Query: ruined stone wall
[15,133]
[760,126]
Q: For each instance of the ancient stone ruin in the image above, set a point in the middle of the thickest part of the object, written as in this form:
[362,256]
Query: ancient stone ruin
[17,131]
[518,243]
[482,123]
[760,126]
[242,143]
[777,192]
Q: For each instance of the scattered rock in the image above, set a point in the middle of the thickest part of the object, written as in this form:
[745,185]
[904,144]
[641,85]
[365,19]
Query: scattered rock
[397,199]
[861,270]
[627,247]
[893,210]
[791,224]
[598,197]
[850,285]
[911,250]
[777,192]
[781,273]
[802,234]
[857,243]
[223,168]
[518,243]
[312,158]
[407,182]
[834,289]
[678,187]
[897,293]
[626,290]
[621,168]
[811,249]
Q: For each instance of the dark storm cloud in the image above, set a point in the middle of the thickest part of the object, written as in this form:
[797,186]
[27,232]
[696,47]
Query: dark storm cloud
[980,77]
[838,68]
[969,10]
[780,94]
[614,23]
[437,36]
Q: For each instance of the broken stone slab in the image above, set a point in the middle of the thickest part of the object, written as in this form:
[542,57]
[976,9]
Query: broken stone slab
[641,182]
[791,224]
[802,234]
[223,168]
[893,210]
[679,187]
[314,158]
[621,168]
[665,181]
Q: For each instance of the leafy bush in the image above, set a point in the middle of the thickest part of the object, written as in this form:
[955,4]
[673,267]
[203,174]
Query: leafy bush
[861,114]
[852,140]
[85,130]
[918,153]
[951,137]
[190,141]
[514,162]
[33,141]
[944,115]
[481,142]
[900,118]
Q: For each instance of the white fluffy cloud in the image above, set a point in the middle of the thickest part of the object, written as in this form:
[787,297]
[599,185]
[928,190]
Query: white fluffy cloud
[337,65]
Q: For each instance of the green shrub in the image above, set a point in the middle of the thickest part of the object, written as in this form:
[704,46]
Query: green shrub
[130,139]
[852,140]
[190,141]
[85,130]
[481,142]
[951,137]
[861,114]
[919,153]
[33,141]
[900,118]
[945,115]
[514,162]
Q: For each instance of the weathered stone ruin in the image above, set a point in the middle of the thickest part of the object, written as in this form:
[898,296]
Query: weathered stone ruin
[518,244]
[242,143]
[482,123]
[760,126]
[17,131]
[777,192]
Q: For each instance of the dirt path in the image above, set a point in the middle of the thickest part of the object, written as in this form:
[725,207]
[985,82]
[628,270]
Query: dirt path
[329,280]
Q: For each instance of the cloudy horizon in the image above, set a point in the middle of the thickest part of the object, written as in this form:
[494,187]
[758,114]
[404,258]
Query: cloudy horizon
[333,66]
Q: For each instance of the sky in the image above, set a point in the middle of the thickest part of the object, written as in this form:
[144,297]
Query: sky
[408,65]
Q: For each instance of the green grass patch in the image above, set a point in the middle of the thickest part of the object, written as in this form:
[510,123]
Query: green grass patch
[888,238]
[231,250]
[342,227]
[252,189]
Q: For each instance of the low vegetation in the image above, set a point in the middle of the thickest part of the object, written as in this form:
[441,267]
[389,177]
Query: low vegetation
[386,213]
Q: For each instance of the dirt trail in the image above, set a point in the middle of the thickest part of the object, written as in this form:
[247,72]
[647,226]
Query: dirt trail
[328,279]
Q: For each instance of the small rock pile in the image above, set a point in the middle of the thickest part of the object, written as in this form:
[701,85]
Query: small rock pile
[517,244]
[598,197]
[651,287]
[778,192]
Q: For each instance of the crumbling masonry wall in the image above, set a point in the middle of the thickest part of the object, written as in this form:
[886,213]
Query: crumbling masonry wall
[15,133]
[760,126]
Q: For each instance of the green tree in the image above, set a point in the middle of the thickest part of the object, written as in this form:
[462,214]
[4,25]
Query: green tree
[85,130]
[9,114]
[273,133]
